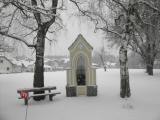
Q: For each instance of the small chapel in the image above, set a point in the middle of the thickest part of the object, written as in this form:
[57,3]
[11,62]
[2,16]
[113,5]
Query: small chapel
[81,75]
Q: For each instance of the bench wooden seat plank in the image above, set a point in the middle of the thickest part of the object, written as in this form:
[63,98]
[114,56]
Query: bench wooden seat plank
[45,94]
[36,89]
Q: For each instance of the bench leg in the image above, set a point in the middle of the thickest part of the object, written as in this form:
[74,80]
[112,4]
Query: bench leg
[38,98]
[26,101]
[50,97]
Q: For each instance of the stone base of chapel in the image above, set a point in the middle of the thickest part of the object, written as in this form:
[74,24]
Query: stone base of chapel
[72,91]
[92,90]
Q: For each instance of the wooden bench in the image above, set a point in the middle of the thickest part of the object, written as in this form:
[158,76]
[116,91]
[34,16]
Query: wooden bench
[25,93]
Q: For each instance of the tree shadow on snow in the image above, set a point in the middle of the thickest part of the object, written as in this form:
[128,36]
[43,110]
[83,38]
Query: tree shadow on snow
[127,104]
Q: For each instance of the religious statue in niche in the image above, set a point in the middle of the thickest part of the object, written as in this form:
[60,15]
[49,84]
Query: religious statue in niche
[80,72]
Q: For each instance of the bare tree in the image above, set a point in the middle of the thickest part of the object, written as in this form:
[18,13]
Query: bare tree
[146,40]
[102,56]
[97,12]
[145,31]
[36,18]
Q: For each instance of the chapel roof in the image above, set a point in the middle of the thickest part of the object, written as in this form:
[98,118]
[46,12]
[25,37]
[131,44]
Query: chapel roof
[80,37]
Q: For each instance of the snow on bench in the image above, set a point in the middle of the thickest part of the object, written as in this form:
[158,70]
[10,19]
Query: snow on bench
[49,88]
[24,93]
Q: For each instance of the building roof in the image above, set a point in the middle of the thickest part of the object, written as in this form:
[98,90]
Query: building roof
[47,66]
[1,50]
[7,59]
[66,60]
[18,62]
[27,63]
[80,37]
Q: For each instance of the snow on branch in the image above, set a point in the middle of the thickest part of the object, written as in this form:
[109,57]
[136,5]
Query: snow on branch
[90,15]
[35,8]
[149,5]
[84,12]
[120,4]
[17,38]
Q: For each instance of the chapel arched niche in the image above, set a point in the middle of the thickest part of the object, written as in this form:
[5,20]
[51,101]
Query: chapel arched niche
[81,76]
[80,65]
[81,70]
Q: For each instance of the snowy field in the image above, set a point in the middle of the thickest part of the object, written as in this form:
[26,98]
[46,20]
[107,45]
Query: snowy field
[144,103]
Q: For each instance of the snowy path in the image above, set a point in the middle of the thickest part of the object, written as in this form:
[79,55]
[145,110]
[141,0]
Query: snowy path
[144,103]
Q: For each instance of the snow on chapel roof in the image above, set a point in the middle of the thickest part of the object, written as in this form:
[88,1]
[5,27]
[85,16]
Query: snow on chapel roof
[80,37]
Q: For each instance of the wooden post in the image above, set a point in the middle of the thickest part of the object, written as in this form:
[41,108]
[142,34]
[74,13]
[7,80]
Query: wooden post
[26,101]
[51,97]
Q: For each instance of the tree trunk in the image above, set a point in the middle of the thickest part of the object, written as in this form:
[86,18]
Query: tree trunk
[150,59]
[149,65]
[39,69]
[125,87]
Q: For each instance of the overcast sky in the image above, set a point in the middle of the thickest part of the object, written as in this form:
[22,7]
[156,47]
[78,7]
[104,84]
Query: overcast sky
[74,26]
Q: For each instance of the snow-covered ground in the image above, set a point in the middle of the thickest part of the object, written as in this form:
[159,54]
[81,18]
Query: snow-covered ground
[144,103]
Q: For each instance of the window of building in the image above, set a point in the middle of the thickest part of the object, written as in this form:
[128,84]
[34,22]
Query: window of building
[7,68]
[1,61]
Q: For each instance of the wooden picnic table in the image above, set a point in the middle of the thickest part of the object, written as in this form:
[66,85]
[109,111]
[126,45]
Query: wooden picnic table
[25,93]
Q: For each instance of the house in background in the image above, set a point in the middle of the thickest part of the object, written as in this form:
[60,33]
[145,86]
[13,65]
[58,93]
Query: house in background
[30,68]
[53,64]
[157,63]
[47,68]
[7,66]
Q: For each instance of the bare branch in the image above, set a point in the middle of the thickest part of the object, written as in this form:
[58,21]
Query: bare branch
[35,8]
[36,14]
[11,19]
[84,13]
[30,33]
[51,40]
[149,5]
[28,27]
[50,22]
[17,38]
[109,31]
[119,3]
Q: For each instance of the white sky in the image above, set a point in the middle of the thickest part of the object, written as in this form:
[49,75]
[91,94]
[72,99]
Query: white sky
[75,26]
